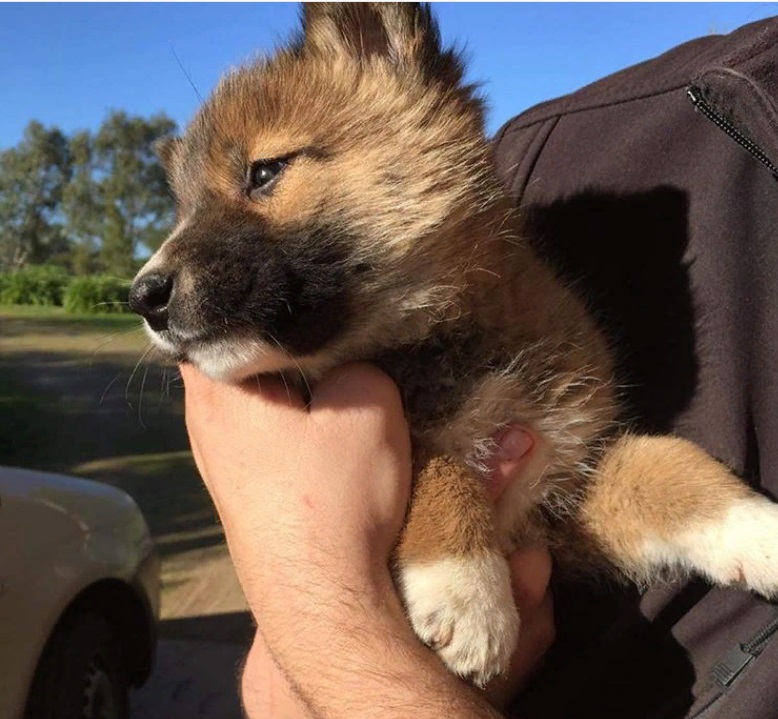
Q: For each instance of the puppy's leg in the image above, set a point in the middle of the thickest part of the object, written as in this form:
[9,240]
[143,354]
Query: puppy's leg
[662,502]
[454,580]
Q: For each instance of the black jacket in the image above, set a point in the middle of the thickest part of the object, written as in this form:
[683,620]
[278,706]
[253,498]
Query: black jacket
[655,190]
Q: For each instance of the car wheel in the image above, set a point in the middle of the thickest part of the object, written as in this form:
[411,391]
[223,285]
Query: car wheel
[82,673]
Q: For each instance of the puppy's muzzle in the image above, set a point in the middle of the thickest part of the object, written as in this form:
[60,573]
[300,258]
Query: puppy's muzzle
[150,296]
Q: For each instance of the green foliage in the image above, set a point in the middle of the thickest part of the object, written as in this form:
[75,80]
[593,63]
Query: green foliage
[118,202]
[47,285]
[34,285]
[98,293]
[33,176]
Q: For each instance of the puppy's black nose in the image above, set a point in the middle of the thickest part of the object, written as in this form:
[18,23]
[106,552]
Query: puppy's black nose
[149,297]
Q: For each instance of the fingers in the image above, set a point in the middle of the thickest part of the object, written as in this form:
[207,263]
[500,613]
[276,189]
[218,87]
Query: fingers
[538,632]
[356,383]
[227,422]
[351,386]
[205,391]
[358,399]
[530,575]
[358,394]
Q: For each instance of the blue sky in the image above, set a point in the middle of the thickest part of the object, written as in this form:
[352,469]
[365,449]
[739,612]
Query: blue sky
[68,64]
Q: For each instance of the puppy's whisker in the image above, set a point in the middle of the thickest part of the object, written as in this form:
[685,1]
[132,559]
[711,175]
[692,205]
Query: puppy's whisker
[186,74]
[111,303]
[162,386]
[140,396]
[132,374]
[107,389]
[309,391]
[114,336]
[286,386]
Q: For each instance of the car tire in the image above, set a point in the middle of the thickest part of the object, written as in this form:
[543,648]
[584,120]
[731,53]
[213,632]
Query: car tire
[82,673]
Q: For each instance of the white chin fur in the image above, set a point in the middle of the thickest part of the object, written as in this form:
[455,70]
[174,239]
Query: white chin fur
[229,360]
[235,359]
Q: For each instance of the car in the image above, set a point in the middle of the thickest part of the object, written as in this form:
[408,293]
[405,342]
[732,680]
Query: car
[79,597]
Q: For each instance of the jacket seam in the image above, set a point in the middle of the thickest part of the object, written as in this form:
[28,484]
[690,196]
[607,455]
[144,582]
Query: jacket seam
[597,106]
[531,169]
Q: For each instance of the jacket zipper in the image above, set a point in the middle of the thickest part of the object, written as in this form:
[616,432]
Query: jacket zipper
[695,95]
[757,643]
[738,658]
[735,661]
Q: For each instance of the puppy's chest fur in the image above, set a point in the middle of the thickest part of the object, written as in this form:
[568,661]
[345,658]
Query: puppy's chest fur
[462,384]
[439,373]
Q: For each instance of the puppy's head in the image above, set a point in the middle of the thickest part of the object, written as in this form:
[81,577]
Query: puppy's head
[325,199]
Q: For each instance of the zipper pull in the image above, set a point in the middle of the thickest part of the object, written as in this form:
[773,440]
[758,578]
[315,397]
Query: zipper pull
[693,93]
[731,665]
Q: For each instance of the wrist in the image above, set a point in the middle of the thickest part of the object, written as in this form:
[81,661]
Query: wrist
[359,657]
[304,623]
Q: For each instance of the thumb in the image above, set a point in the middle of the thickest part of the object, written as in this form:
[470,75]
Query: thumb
[357,384]
[362,398]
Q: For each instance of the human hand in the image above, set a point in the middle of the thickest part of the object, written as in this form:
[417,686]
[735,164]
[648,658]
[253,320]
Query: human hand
[304,527]
[312,501]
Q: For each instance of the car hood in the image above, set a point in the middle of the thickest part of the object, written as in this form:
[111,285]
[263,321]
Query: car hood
[62,504]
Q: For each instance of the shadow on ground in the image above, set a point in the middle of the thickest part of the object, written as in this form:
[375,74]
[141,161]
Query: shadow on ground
[231,627]
[197,670]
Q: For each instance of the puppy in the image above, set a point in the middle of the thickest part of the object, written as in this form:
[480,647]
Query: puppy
[337,201]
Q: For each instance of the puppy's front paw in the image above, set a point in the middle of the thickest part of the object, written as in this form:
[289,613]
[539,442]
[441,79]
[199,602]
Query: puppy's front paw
[740,548]
[463,608]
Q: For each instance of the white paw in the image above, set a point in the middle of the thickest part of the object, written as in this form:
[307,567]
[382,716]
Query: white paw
[739,549]
[463,608]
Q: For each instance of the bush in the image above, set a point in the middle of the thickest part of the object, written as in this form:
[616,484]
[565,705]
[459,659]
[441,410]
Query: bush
[34,285]
[97,293]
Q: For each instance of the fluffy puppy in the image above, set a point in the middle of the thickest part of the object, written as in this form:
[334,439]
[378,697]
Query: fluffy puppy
[337,201]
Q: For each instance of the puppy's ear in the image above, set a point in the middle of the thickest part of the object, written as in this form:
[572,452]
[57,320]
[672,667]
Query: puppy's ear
[404,33]
[165,149]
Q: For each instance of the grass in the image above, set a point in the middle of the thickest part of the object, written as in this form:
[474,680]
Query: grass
[78,396]
[57,319]
[51,328]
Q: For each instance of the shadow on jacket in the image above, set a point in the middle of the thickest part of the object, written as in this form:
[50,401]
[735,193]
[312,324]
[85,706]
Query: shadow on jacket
[654,191]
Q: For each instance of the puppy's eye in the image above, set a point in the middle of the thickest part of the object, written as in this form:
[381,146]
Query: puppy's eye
[263,175]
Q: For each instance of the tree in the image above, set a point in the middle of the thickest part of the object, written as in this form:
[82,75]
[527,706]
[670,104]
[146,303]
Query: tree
[82,207]
[33,176]
[137,202]
[118,201]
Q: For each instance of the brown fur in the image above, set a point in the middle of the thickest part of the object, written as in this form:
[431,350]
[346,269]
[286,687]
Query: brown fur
[653,486]
[449,513]
[392,172]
